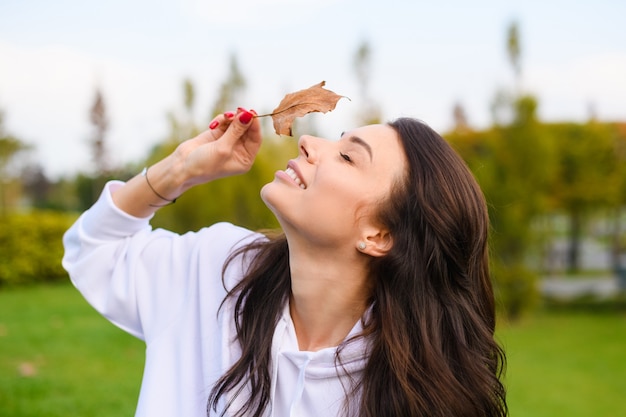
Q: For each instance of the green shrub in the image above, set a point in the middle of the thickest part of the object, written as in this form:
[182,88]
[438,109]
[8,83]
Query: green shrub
[515,288]
[31,247]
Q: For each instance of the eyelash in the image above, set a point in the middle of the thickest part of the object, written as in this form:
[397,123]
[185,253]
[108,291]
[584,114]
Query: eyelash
[345,157]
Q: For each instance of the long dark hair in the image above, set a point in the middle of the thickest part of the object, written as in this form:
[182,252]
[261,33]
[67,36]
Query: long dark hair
[432,322]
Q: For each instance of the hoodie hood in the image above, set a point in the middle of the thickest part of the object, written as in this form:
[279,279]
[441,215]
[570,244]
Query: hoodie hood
[312,383]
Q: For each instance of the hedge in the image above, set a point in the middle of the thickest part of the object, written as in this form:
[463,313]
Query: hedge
[31,247]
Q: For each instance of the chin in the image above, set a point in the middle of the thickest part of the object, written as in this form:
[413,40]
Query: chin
[266,196]
[264,193]
[271,198]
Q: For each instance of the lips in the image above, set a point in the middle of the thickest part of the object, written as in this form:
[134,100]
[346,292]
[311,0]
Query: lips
[292,172]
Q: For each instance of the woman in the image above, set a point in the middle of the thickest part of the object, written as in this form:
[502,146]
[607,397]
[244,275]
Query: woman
[374,301]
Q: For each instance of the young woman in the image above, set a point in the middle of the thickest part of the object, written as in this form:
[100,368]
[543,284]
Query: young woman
[375,300]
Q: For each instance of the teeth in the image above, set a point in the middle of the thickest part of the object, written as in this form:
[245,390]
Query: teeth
[292,174]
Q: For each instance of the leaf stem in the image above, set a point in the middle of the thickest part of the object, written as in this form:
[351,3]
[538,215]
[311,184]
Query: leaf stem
[284,110]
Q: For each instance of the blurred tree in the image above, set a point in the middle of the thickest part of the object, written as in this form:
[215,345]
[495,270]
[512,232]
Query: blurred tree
[618,242]
[36,185]
[190,129]
[10,148]
[589,176]
[89,185]
[525,168]
[100,123]
[504,101]
[190,97]
[183,125]
[235,199]
[63,195]
[362,63]
[459,117]
[502,107]
[230,89]
[514,52]
[514,165]
[513,162]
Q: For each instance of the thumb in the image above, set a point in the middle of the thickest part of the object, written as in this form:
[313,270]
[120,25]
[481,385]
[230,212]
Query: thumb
[238,127]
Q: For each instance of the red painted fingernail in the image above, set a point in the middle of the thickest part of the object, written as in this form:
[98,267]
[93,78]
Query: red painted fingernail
[214,124]
[245,117]
[241,110]
[254,112]
[229,114]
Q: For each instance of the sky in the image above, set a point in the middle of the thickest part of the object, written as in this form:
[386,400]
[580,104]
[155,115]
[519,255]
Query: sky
[426,57]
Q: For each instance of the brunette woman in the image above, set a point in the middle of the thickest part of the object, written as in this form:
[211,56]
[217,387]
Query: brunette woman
[374,300]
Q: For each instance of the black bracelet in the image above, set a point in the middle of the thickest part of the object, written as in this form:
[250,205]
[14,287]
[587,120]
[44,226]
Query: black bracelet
[144,173]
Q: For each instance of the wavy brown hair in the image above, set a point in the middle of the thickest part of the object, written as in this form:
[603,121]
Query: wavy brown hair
[432,323]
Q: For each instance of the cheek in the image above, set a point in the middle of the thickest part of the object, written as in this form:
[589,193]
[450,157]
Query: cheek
[342,193]
[341,209]
[349,194]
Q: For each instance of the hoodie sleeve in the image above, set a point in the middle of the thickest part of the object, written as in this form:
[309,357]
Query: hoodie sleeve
[139,278]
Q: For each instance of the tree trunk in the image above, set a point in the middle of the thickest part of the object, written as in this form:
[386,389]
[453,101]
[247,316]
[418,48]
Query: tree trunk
[575,234]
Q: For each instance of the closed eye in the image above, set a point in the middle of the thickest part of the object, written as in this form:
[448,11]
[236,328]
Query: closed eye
[345,156]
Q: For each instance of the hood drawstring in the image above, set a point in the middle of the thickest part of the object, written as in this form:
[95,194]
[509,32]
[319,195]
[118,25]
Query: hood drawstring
[299,389]
[296,369]
[277,341]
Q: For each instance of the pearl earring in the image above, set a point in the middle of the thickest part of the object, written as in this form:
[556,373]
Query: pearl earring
[362,245]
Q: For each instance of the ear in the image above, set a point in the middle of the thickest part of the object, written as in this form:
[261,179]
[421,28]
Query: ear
[378,242]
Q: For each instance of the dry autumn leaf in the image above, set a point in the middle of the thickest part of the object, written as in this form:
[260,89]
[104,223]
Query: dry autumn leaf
[312,99]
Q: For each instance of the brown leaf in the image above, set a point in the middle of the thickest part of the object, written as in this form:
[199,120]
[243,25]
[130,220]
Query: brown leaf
[312,99]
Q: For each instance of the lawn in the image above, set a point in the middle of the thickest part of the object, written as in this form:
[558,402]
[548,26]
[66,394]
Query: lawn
[60,358]
[567,364]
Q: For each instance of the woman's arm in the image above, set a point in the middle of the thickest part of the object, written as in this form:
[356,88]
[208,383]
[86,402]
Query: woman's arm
[227,148]
[138,277]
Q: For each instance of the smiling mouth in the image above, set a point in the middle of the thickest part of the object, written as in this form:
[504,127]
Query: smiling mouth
[292,174]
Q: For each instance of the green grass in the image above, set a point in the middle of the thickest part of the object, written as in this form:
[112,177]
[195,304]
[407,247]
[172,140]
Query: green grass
[567,363]
[58,357]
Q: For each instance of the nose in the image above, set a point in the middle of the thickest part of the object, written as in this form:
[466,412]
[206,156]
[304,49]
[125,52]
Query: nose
[310,147]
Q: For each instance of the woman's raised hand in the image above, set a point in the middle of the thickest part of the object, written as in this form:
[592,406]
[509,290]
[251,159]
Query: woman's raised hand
[227,148]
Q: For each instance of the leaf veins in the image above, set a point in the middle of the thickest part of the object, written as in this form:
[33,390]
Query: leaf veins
[299,103]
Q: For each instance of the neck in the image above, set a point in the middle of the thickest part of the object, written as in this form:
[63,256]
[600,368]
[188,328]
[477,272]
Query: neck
[330,290]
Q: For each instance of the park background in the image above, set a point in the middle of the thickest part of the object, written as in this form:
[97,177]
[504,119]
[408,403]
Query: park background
[532,94]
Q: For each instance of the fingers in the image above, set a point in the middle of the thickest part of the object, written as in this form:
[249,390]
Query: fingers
[243,123]
[220,123]
[229,146]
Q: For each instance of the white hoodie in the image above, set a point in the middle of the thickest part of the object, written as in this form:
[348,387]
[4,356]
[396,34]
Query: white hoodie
[166,289]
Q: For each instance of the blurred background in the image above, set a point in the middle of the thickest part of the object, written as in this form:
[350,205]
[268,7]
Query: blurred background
[531,93]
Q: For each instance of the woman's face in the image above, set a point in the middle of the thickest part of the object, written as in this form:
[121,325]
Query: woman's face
[333,189]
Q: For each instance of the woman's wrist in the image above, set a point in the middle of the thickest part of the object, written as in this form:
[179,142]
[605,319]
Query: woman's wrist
[144,173]
[167,179]
[156,186]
